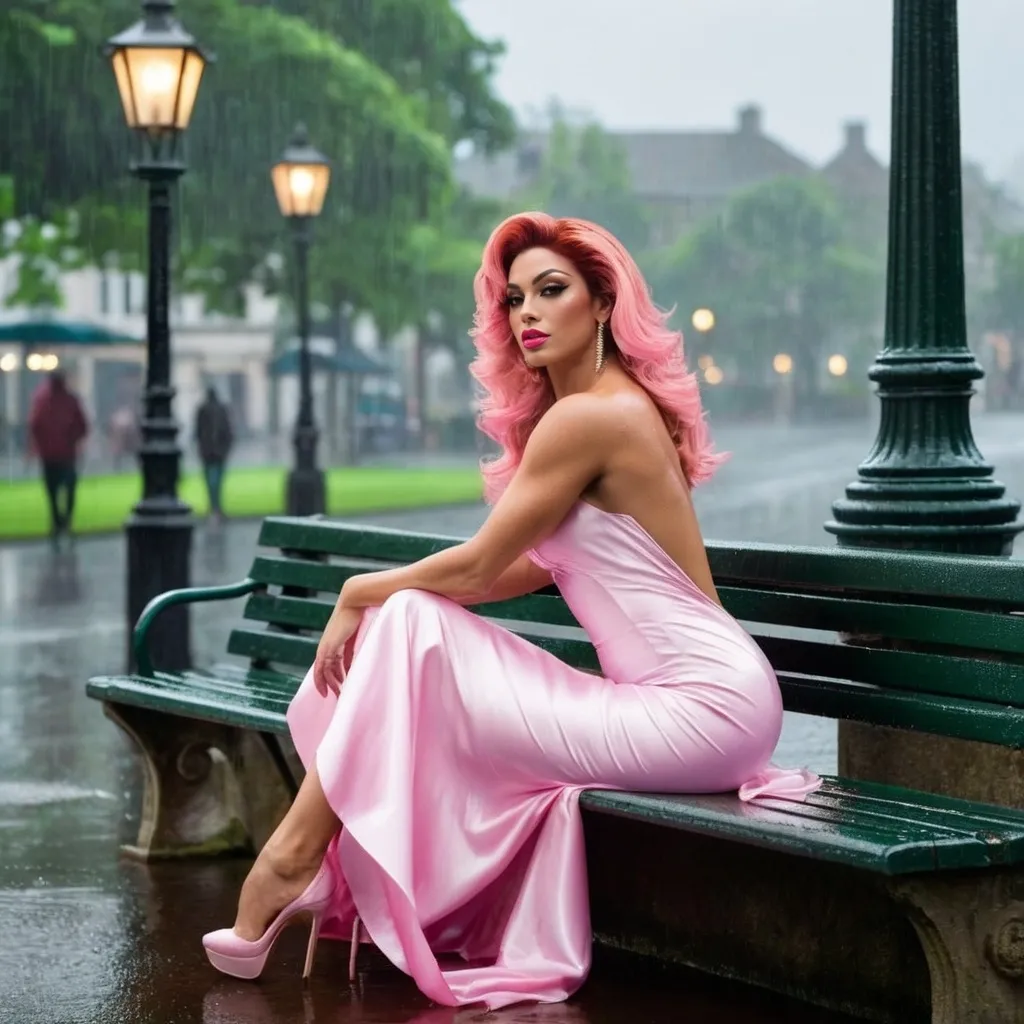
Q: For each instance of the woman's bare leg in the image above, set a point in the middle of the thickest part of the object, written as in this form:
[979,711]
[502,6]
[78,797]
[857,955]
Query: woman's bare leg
[289,860]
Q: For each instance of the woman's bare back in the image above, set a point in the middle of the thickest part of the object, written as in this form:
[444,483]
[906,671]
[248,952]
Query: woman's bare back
[644,480]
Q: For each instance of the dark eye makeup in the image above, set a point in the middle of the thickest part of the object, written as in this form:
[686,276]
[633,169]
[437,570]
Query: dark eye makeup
[549,291]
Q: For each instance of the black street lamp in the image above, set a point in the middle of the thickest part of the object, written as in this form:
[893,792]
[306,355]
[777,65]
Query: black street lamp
[300,180]
[158,68]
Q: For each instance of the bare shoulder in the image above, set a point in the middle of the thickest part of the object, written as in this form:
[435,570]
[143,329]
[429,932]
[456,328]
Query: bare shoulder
[597,417]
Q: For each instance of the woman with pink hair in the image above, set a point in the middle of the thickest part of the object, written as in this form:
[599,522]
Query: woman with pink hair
[445,756]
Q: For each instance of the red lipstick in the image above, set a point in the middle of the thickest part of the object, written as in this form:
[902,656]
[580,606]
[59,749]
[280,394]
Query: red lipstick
[534,339]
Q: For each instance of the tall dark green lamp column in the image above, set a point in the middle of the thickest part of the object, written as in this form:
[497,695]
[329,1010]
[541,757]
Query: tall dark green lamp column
[925,485]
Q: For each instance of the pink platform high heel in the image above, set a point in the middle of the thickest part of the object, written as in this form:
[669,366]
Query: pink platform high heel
[244,959]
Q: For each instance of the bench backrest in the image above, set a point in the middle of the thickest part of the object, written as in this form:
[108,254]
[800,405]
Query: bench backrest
[927,642]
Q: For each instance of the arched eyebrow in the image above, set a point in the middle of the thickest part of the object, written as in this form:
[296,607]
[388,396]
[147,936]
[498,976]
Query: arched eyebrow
[540,277]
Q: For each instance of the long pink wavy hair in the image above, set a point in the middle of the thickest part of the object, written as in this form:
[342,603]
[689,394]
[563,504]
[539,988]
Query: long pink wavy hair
[652,354]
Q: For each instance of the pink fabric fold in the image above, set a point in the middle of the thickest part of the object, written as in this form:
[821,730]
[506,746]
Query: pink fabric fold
[456,752]
[780,784]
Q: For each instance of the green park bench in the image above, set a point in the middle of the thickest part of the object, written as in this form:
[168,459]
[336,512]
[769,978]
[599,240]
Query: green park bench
[869,897]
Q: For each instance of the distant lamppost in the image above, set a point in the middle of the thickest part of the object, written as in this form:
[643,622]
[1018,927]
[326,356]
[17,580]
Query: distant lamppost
[158,67]
[300,180]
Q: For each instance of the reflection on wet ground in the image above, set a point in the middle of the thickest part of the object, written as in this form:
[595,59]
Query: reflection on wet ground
[87,938]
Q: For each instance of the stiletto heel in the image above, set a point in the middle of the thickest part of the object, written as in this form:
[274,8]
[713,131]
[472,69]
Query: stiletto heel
[314,934]
[354,951]
[241,958]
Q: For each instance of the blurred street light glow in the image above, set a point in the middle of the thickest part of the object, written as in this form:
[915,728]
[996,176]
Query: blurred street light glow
[837,365]
[703,319]
[39,362]
[782,363]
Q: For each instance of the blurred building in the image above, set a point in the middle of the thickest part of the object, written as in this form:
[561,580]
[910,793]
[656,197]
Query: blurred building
[207,348]
[683,176]
[233,354]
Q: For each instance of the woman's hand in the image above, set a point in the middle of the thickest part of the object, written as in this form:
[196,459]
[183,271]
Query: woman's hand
[329,667]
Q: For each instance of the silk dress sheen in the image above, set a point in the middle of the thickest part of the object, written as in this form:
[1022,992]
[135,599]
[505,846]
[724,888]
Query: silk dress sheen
[456,752]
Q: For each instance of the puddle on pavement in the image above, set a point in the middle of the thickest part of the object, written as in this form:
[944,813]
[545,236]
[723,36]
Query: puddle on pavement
[35,794]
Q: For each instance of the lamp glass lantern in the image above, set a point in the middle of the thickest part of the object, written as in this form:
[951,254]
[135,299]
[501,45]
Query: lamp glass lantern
[158,67]
[301,178]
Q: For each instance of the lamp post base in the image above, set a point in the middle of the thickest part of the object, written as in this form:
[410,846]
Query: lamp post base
[159,545]
[306,492]
[952,516]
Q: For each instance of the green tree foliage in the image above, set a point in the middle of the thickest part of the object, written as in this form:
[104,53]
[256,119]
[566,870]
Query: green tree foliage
[40,251]
[776,269]
[1003,304]
[584,173]
[388,135]
[430,52]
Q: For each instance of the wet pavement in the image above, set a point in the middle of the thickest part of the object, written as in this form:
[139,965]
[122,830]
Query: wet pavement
[89,938]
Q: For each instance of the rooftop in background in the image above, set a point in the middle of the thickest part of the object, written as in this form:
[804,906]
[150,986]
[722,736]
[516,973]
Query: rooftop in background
[662,164]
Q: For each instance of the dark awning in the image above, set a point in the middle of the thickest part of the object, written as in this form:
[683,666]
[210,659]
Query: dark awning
[54,331]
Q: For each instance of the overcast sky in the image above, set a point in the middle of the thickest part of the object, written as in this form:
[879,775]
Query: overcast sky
[811,64]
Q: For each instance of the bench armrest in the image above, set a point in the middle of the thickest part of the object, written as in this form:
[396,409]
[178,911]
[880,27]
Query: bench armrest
[162,602]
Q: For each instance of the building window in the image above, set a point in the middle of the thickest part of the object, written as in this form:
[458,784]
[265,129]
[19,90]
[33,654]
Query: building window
[134,292]
[105,292]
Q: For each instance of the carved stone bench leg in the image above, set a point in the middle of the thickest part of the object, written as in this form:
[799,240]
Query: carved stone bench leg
[209,789]
[972,929]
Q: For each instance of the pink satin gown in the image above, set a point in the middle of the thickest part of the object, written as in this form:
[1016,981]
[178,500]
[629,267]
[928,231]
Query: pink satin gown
[456,753]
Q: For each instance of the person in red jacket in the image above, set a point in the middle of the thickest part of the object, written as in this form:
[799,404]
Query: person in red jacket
[57,427]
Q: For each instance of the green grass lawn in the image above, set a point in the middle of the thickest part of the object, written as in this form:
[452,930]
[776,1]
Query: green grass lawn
[103,502]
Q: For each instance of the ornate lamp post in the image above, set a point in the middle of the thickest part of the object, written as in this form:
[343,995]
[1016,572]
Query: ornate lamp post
[158,67]
[300,180]
[925,484]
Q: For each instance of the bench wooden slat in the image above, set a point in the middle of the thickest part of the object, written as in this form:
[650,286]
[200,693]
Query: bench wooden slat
[312,613]
[269,647]
[224,683]
[1001,833]
[323,577]
[993,681]
[968,580]
[838,824]
[265,712]
[301,612]
[964,580]
[896,800]
[329,577]
[374,543]
[895,618]
[945,716]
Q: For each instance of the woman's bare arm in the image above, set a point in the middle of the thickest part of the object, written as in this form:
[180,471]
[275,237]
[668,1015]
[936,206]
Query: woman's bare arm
[523,576]
[565,453]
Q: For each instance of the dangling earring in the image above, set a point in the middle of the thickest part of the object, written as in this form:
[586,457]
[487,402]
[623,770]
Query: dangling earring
[599,364]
